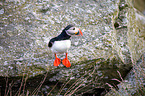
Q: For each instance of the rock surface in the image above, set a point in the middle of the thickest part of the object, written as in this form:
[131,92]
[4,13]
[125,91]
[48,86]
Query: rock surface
[134,82]
[27,28]
[113,39]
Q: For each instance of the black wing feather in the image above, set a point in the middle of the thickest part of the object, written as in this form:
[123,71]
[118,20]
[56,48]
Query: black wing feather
[50,44]
[52,41]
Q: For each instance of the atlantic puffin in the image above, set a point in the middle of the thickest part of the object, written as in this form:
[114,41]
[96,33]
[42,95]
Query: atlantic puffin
[62,43]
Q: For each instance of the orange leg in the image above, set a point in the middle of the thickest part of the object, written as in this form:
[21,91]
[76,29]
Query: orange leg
[57,61]
[66,62]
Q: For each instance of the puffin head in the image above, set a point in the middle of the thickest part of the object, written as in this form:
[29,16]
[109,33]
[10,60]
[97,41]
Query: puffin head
[72,30]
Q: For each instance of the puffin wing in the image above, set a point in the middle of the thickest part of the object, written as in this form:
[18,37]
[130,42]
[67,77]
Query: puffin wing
[51,42]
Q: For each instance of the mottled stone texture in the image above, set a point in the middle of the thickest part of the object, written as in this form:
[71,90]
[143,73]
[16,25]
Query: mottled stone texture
[134,83]
[113,39]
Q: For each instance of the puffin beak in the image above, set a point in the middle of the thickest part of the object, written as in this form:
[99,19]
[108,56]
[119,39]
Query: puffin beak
[79,33]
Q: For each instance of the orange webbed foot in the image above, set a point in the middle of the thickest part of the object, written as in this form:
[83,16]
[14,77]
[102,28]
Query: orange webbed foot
[66,62]
[57,61]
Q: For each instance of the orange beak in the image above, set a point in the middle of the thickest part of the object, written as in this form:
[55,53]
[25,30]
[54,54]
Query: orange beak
[80,33]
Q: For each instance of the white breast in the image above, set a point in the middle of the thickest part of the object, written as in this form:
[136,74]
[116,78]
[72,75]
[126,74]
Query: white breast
[61,46]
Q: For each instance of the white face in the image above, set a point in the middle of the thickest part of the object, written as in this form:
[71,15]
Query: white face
[72,31]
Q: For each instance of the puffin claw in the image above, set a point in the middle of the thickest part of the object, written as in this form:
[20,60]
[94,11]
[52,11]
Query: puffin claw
[57,61]
[66,62]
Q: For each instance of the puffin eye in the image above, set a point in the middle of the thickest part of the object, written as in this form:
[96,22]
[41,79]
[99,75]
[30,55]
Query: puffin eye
[73,28]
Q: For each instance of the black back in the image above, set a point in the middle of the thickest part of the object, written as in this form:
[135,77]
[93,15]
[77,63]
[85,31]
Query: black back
[62,36]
